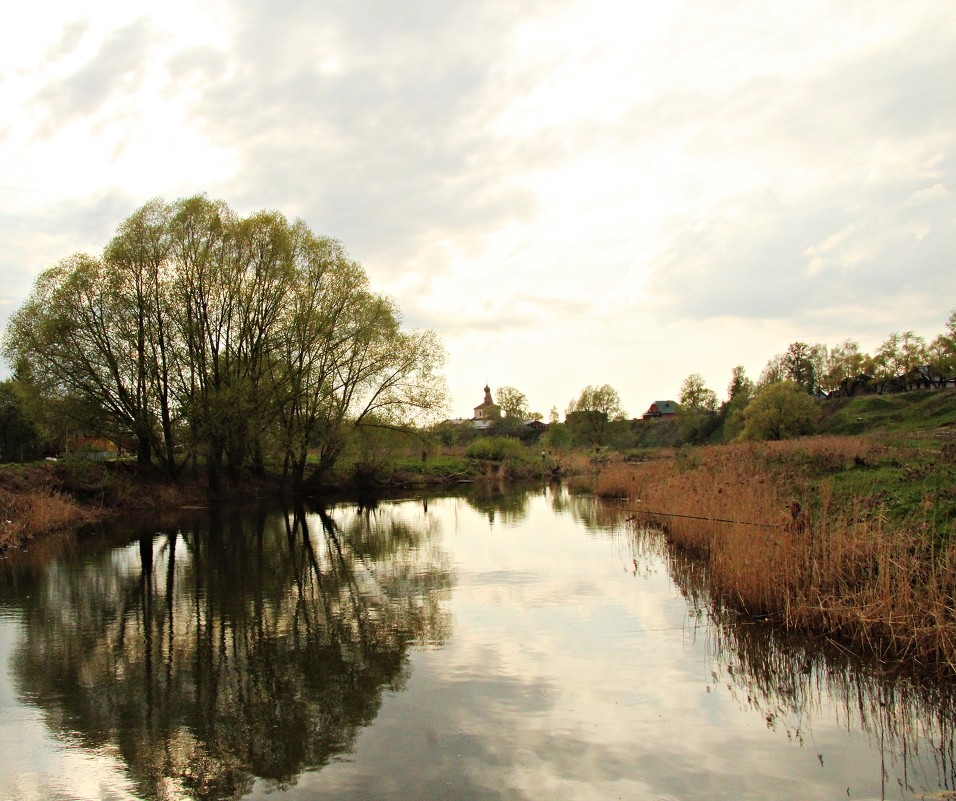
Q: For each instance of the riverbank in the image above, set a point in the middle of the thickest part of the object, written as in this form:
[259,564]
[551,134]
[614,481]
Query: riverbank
[42,498]
[850,538]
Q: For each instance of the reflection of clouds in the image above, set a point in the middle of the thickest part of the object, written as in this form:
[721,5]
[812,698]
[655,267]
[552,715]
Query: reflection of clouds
[606,694]
[548,658]
[260,655]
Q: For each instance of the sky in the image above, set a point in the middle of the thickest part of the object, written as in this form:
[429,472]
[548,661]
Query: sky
[569,192]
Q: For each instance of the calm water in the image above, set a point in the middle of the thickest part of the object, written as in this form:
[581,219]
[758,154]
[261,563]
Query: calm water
[494,646]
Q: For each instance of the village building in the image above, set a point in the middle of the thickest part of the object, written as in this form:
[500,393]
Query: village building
[488,415]
[665,408]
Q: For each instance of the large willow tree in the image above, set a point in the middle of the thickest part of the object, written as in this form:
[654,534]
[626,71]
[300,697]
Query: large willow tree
[201,334]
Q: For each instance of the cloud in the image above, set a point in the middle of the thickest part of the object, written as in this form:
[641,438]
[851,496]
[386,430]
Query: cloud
[818,192]
[32,240]
[116,67]
[930,194]
[534,175]
[372,125]
[70,38]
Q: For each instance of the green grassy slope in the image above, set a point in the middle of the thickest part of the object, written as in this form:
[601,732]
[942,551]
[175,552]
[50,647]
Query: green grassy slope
[903,413]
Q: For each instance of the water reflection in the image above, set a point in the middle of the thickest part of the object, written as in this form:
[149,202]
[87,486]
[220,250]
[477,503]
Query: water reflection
[790,678]
[312,654]
[499,502]
[245,646]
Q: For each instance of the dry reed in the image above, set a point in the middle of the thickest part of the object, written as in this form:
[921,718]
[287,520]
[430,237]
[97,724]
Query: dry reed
[39,512]
[842,570]
[57,496]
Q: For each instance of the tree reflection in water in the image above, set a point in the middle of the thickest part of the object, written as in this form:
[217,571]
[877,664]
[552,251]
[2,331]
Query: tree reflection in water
[787,677]
[500,501]
[248,646]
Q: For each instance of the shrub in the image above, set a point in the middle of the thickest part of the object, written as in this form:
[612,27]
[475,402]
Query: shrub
[779,411]
[495,449]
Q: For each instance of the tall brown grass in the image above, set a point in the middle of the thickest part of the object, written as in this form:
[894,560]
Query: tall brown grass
[38,512]
[839,569]
[44,497]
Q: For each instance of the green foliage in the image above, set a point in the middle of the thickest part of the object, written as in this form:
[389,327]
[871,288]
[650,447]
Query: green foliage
[731,412]
[774,371]
[372,447]
[740,386]
[449,434]
[843,368]
[805,365]
[733,424]
[587,427]
[697,427]
[557,437]
[510,426]
[587,418]
[604,399]
[513,403]
[779,411]
[202,334]
[695,395]
[19,440]
[495,449]
[697,417]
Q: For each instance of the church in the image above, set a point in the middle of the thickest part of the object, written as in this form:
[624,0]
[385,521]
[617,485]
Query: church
[487,413]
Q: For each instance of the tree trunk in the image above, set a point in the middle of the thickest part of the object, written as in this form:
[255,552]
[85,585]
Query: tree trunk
[144,450]
[214,467]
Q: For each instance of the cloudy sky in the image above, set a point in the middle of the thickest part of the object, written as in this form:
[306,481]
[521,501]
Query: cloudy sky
[570,192]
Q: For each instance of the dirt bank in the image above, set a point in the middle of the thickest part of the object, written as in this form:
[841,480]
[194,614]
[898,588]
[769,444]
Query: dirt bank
[46,497]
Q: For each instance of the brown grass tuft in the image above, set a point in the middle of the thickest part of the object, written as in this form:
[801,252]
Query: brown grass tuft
[33,513]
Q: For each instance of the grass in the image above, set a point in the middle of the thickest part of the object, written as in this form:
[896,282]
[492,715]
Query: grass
[498,458]
[903,412]
[31,503]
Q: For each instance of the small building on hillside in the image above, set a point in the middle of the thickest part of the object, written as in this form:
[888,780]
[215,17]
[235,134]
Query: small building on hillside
[487,413]
[95,447]
[453,422]
[665,408]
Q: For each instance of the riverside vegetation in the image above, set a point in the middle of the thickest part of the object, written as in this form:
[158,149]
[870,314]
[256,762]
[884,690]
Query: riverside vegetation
[56,495]
[869,559]
[851,537]
[241,355]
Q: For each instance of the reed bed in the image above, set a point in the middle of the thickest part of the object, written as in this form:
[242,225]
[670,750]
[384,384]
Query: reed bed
[31,513]
[781,544]
[47,497]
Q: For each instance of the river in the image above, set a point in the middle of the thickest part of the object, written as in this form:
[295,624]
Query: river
[497,644]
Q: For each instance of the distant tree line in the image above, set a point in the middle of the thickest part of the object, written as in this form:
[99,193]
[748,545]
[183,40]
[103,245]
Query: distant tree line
[781,403]
[202,335]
